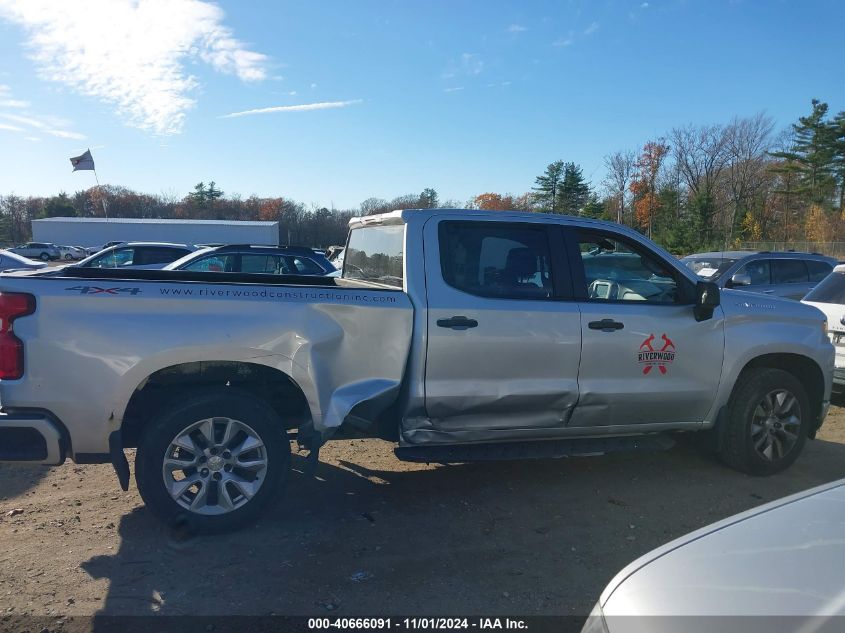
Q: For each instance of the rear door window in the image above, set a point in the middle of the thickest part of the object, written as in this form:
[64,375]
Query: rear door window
[260,264]
[818,270]
[788,271]
[213,264]
[493,259]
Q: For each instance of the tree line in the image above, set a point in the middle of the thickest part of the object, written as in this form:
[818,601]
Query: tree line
[696,187]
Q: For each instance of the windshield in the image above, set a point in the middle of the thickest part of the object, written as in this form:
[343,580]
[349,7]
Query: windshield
[710,268]
[830,290]
[375,253]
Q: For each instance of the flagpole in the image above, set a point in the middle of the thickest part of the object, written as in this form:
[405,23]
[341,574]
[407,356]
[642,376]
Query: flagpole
[100,190]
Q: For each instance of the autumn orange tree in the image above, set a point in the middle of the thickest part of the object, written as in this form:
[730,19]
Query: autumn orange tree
[644,184]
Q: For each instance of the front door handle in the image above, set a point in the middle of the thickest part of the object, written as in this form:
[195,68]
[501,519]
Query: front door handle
[457,323]
[606,325]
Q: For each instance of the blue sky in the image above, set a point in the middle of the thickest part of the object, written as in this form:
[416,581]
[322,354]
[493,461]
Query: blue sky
[393,97]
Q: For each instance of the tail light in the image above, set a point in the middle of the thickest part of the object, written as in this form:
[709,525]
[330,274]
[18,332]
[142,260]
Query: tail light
[12,306]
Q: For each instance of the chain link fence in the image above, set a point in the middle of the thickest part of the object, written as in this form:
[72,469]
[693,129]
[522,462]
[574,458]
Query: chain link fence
[832,249]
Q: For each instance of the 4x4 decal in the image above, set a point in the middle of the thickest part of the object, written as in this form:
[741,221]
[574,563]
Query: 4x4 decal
[96,290]
[649,357]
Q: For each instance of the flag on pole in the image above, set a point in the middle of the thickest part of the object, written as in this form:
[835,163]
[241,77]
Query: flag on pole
[85,161]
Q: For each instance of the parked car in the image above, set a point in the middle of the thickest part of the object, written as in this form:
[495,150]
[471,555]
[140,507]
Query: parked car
[461,335]
[775,568]
[829,297]
[150,255]
[13,261]
[69,253]
[110,244]
[276,260]
[37,250]
[789,274]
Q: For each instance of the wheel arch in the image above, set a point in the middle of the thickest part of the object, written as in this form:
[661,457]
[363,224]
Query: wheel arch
[805,369]
[166,385]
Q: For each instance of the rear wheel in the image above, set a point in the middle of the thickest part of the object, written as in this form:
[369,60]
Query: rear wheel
[767,422]
[68,257]
[45,257]
[212,463]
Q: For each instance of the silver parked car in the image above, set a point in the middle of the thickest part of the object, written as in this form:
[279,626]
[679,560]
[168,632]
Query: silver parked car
[783,562]
[12,261]
[69,253]
[150,255]
[790,275]
[38,250]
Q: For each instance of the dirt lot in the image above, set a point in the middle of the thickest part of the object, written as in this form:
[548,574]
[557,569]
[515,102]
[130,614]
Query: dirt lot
[372,535]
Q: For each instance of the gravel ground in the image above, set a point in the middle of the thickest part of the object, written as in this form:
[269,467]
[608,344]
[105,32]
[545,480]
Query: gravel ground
[374,536]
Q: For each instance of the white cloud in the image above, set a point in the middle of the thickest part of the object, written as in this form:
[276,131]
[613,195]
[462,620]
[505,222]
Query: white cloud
[45,124]
[453,89]
[132,53]
[11,128]
[471,63]
[563,41]
[25,120]
[644,5]
[34,139]
[303,107]
[65,134]
[517,28]
[13,103]
[313,86]
[591,29]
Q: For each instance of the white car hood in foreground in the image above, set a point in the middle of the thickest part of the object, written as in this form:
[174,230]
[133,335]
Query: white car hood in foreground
[785,558]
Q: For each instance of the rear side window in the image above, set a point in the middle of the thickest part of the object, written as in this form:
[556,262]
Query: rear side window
[376,253]
[146,255]
[305,266]
[788,271]
[213,264]
[260,264]
[818,270]
[830,290]
[492,259]
[758,270]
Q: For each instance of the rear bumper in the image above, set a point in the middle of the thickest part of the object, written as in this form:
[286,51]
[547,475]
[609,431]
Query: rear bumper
[30,437]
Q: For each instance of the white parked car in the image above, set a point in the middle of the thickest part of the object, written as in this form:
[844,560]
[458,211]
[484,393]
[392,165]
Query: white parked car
[13,261]
[829,297]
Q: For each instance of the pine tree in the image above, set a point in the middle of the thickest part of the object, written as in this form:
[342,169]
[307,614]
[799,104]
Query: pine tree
[574,193]
[547,187]
[814,142]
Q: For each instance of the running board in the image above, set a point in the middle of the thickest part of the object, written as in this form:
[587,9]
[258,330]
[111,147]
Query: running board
[548,449]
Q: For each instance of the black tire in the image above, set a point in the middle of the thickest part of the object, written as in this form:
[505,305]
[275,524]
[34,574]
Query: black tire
[45,257]
[157,442]
[68,257]
[737,446]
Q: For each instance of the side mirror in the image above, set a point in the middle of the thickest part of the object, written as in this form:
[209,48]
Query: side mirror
[741,279]
[707,299]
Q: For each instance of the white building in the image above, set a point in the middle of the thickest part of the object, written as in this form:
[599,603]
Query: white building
[98,231]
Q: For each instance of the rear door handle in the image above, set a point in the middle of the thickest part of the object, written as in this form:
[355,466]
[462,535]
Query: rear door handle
[457,323]
[606,325]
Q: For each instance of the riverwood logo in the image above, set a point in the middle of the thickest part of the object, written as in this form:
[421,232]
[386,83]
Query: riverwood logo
[650,358]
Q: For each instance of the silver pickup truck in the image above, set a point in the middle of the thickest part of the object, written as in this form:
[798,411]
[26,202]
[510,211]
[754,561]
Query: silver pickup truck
[461,335]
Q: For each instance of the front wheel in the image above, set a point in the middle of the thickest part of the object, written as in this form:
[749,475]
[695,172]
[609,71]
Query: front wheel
[212,463]
[767,420]
[68,257]
[45,257]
